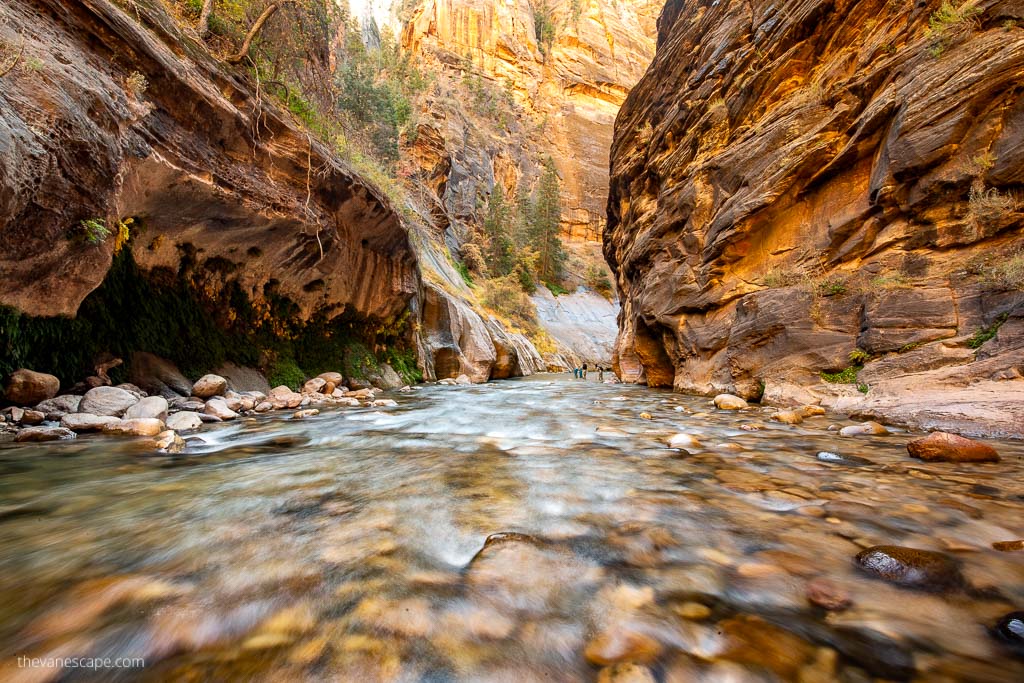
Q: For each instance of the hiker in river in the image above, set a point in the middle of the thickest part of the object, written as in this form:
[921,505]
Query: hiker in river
[584,371]
[600,373]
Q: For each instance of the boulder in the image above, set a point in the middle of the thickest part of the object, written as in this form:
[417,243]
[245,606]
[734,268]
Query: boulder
[150,406]
[309,412]
[139,426]
[32,417]
[463,379]
[107,401]
[55,408]
[85,422]
[864,428]
[314,385]
[36,434]
[27,387]
[334,378]
[209,386]
[243,379]
[943,447]
[184,421]
[218,408]
[729,402]
[384,403]
[911,567]
[387,378]
[158,376]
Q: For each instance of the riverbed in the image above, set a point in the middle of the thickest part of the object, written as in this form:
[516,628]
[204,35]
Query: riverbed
[351,546]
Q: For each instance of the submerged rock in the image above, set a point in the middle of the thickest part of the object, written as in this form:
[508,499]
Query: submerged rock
[827,595]
[1008,546]
[309,412]
[849,460]
[943,447]
[28,387]
[686,441]
[911,567]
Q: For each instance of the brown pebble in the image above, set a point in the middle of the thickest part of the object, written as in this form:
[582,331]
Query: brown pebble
[827,595]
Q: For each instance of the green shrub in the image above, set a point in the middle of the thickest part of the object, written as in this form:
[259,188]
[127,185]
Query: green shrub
[859,356]
[287,372]
[986,333]
[404,363]
[93,231]
[844,376]
[831,287]
[556,289]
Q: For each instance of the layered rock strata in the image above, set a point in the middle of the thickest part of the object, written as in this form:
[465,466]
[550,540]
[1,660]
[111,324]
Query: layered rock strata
[795,182]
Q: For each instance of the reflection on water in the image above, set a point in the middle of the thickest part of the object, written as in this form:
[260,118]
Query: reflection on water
[346,546]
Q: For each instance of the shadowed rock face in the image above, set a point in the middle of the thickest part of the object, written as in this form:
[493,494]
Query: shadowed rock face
[794,181]
[205,168]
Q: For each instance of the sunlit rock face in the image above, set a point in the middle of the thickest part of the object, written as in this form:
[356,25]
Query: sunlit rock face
[206,170]
[791,182]
[570,89]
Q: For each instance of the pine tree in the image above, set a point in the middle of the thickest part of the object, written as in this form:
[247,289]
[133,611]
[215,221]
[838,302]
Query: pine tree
[500,248]
[545,225]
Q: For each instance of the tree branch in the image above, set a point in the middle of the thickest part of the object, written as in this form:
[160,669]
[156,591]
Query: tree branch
[204,18]
[17,58]
[256,28]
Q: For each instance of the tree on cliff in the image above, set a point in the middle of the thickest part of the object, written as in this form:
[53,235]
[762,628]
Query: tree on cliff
[544,225]
[500,248]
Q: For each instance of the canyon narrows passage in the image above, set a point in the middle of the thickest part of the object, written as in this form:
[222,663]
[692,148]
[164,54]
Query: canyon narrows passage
[526,340]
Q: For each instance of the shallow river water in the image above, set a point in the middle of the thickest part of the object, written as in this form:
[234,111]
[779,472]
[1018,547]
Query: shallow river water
[350,546]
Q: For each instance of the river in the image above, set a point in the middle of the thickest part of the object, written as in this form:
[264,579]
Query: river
[345,547]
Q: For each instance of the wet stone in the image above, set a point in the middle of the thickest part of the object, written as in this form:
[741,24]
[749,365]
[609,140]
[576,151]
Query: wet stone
[847,460]
[1009,546]
[1010,629]
[910,567]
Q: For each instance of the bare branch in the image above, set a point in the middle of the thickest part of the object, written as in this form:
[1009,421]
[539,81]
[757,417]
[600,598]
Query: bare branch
[256,28]
[17,58]
[204,18]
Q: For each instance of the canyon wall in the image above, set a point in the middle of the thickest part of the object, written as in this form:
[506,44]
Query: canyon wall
[119,131]
[557,96]
[796,181]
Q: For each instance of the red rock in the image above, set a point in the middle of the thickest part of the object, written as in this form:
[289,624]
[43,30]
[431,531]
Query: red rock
[943,447]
